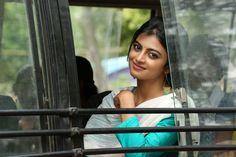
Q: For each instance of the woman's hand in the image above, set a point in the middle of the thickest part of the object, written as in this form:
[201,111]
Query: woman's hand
[125,99]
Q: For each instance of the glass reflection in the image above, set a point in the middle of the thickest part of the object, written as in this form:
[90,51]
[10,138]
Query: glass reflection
[205,64]
[17,82]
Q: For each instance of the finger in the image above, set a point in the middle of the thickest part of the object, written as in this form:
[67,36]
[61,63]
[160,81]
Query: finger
[116,102]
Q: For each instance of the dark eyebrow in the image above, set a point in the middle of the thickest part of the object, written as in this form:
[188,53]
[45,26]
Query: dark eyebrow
[155,51]
[136,42]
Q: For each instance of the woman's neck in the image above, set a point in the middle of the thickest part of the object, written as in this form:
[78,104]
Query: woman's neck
[147,90]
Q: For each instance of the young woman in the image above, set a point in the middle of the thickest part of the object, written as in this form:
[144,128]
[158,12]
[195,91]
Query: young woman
[148,63]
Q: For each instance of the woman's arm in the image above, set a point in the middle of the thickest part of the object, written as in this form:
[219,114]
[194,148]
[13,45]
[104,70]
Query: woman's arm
[148,140]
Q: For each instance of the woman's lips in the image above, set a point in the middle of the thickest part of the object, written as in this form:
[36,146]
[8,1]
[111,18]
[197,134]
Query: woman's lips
[137,67]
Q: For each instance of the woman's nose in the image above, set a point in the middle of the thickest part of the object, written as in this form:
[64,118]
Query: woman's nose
[140,57]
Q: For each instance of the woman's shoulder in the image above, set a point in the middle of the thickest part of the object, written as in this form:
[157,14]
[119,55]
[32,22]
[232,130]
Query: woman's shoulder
[107,101]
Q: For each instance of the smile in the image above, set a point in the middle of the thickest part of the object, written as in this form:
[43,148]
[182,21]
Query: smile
[137,67]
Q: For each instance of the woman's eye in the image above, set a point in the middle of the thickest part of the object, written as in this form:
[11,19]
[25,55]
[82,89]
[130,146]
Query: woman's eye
[136,47]
[152,55]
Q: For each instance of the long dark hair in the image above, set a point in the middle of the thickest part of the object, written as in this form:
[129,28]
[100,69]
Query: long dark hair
[153,26]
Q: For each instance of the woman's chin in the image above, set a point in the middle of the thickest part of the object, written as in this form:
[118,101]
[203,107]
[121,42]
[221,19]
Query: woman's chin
[133,74]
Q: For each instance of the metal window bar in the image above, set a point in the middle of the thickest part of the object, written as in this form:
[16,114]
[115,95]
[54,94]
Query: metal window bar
[81,131]
[80,112]
[74,111]
[78,152]
[36,65]
[157,149]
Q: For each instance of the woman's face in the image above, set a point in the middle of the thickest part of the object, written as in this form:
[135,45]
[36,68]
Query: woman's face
[147,58]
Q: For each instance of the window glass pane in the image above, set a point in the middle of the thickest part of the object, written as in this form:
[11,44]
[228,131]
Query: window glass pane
[103,35]
[17,80]
[203,58]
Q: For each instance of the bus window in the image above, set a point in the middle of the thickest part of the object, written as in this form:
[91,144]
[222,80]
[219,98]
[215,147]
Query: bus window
[17,80]
[101,35]
[38,69]
[203,60]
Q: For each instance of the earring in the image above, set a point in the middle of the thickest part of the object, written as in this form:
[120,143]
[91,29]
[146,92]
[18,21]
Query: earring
[166,89]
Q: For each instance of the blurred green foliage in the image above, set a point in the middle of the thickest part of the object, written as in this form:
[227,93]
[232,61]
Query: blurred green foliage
[15,32]
[113,28]
[15,45]
[132,20]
